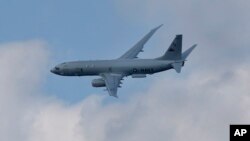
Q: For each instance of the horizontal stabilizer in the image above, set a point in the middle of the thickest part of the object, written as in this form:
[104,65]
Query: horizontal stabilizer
[187,52]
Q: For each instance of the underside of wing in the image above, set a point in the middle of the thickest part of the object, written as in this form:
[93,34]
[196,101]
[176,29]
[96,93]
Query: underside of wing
[112,82]
[137,48]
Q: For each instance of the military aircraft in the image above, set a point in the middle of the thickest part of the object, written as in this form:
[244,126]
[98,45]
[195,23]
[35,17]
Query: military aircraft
[111,72]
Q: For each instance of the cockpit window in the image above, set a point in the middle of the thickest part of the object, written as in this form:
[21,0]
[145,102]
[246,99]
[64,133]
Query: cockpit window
[56,68]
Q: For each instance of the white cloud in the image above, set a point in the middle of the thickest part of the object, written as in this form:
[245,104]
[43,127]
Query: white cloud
[22,68]
[200,106]
[56,122]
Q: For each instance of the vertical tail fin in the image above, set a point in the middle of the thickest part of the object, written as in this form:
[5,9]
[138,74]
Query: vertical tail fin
[174,50]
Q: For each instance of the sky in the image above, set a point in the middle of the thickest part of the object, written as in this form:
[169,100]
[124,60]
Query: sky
[200,103]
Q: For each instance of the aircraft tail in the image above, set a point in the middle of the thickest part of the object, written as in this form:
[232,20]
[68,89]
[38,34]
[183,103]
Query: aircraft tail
[175,54]
[174,50]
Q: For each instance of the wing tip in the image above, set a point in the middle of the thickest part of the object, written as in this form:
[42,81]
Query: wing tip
[193,47]
[159,26]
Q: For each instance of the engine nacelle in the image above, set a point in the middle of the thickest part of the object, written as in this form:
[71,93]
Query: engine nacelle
[98,82]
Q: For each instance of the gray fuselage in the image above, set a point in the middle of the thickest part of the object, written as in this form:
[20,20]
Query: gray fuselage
[124,66]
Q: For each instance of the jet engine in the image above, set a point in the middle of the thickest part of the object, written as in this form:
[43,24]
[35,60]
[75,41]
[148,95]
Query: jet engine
[98,82]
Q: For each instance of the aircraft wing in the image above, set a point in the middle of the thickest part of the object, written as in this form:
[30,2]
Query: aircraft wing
[112,82]
[137,48]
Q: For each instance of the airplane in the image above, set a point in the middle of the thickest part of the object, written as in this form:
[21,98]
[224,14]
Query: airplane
[112,72]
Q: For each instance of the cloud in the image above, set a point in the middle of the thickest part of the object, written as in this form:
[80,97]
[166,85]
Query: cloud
[200,106]
[22,71]
[196,106]
[220,29]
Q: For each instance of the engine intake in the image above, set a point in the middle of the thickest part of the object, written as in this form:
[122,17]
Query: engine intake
[98,83]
